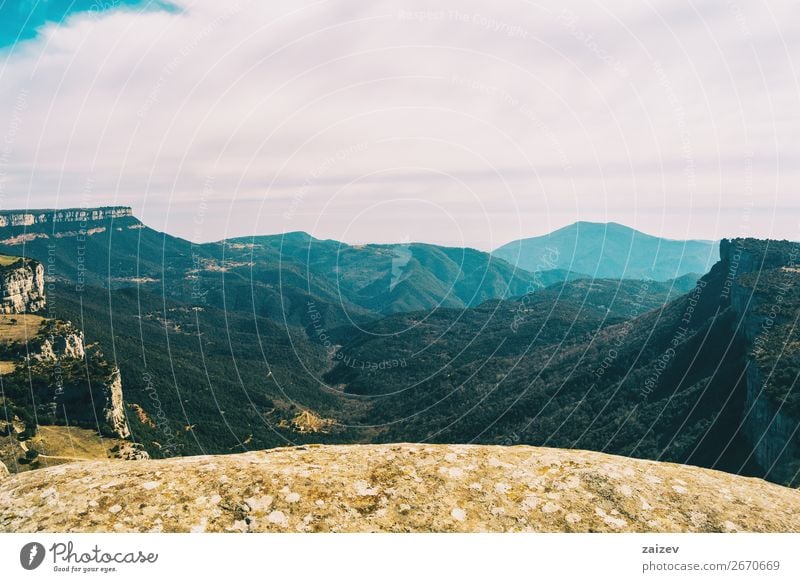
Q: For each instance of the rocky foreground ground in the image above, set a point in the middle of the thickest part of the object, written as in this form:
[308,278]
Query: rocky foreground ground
[393,488]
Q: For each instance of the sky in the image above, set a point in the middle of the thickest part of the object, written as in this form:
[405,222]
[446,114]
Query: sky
[472,124]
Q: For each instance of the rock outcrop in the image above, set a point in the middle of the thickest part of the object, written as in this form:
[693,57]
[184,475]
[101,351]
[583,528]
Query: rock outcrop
[128,451]
[65,342]
[81,401]
[22,287]
[57,355]
[115,406]
[397,488]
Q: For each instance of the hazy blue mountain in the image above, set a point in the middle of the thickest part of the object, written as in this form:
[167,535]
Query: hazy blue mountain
[611,250]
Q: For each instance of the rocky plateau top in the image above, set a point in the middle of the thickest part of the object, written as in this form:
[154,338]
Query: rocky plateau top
[394,488]
[19,218]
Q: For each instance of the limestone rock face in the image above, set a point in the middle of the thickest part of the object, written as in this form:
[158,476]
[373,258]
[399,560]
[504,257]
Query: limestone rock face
[76,215]
[399,488]
[59,342]
[22,287]
[3,471]
[68,344]
[115,406]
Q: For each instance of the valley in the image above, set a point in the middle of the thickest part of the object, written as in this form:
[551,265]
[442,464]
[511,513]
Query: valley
[283,340]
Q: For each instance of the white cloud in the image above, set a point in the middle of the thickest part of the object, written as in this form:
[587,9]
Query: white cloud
[500,120]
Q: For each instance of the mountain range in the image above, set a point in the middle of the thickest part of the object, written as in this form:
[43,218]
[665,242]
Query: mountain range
[599,337]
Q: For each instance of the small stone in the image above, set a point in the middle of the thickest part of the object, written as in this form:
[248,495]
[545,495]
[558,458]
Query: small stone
[614,522]
[115,509]
[458,514]
[364,490]
[698,519]
[626,490]
[49,492]
[278,518]
[550,507]
[502,488]
[259,503]
[573,518]
[530,503]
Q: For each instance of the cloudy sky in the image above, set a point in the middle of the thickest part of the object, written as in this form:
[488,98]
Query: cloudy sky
[471,124]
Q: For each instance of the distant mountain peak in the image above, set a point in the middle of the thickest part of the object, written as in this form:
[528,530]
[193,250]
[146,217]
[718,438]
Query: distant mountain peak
[585,226]
[611,250]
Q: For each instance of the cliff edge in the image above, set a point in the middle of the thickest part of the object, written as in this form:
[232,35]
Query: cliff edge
[760,286]
[49,376]
[395,488]
[24,218]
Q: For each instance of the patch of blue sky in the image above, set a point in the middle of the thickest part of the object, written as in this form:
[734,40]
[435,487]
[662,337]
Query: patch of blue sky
[20,20]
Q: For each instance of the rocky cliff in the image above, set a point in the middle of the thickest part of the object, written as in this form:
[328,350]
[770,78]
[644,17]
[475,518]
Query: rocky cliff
[18,218]
[760,276]
[397,488]
[21,286]
[114,407]
[73,385]
[50,375]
